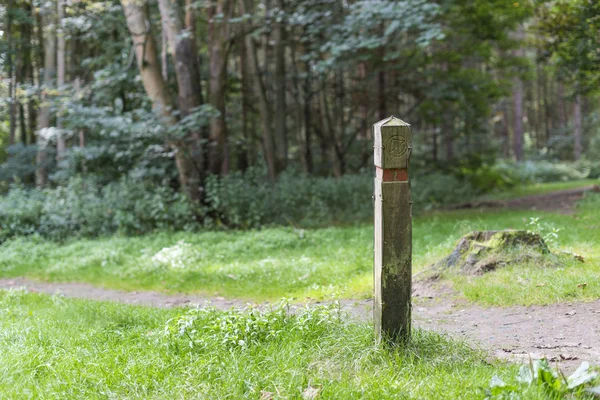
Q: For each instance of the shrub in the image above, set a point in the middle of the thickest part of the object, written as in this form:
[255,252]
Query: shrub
[542,171]
[83,208]
[247,200]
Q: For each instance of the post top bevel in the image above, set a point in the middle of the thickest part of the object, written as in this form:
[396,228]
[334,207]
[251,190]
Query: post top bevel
[391,121]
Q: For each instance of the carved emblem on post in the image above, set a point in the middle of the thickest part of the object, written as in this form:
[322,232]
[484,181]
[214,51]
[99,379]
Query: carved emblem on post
[392,268]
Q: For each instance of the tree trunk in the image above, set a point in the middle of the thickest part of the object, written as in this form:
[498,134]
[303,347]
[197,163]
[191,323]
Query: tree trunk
[263,103]
[147,59]
[518,119]
[560,107]
[189,156]
[577,127]
[281,142]
[12,125]
[381,101]
[328,136]
[27,71]
[49,40]
[307,150]
[248,158]
[506,129]
[155,86]
[381,89]
[218,48]
[448,135]
[61,142]
[434,145]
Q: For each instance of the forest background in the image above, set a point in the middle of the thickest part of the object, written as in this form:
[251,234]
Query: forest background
[139,115]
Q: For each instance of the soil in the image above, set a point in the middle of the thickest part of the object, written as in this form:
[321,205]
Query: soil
[562,201]
[567,333]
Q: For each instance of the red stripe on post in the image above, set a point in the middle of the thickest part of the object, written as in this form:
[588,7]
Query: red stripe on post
[391,175]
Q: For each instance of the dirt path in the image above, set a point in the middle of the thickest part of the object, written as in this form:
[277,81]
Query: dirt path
[567,333]
[561,201]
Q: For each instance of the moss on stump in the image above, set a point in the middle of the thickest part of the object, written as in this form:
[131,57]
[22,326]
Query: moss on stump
[483,251]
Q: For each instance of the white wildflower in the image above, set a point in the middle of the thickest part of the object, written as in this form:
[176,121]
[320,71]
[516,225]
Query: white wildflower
[178,256]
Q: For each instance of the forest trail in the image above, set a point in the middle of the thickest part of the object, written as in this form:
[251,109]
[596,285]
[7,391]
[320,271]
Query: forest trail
[560,201]
[567,333]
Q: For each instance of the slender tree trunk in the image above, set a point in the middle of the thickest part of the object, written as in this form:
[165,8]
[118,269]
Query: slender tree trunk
[164,61]
[448,135]
[263,102]
[381,89]
[61,142]
[218,48]
[506,129]
[539,112]
[281,141]
[12,125]
[147,59]
[27,74]
[337,133]
[49,40]
[518,119]
[327,135]
[248,158]
[578,122]
[547,106]
[307,148]
[434,146]
[561,108]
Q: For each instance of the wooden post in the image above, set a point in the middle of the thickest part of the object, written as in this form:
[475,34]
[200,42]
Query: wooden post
[392,272]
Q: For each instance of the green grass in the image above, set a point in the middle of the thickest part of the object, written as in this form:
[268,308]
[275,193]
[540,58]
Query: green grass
[539,188]
[52,347]
[284,262]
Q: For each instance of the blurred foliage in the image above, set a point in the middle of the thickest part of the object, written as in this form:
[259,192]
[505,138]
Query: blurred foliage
[447,65]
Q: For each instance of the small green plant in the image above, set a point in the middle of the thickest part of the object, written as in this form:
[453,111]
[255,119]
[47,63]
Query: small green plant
[206,326]
[548,232]
[539,374]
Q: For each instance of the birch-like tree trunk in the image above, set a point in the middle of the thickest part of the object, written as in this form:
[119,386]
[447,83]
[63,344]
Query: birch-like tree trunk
[147,58]
[156,88]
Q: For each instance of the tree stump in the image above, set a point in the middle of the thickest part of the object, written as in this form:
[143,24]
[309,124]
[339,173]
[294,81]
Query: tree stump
[484,251]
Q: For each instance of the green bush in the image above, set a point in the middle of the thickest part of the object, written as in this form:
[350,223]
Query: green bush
[249,200]
[246,200]
[83,208]
[239,200]
[542,171]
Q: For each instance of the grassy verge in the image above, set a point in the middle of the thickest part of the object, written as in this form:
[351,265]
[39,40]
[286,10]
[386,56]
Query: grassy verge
[284,262]
[51,347]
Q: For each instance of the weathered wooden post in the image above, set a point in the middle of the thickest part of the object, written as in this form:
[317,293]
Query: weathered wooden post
[392,272]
